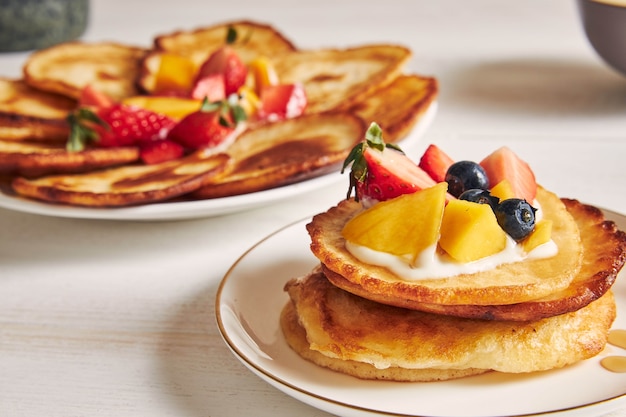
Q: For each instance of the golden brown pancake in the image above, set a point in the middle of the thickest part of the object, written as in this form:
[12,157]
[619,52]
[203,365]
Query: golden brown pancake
[36,159]
[340,78]
[345,327]
[126,185]
[284,152]
[398,106]
[604,254]
[27,113]
[507,284]
[295,335]
[67,68]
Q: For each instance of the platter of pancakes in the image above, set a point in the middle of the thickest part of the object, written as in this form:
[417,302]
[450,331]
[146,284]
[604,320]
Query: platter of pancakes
[346,88]
[254,318]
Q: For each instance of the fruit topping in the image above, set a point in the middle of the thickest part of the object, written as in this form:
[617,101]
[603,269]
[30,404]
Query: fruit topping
[174,107]
[466,175]
[405,225]
[282,101]
[212,87]
[382,171]
[225,61]
[466,223]
[503,190]
[477,195]
[116,125]
[435,162]
[502,164]
[209,126]
[516,217]
[175,75]
[539,236]
[160,151]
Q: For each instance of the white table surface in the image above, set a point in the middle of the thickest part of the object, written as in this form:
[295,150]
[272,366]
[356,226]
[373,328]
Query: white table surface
[105,318]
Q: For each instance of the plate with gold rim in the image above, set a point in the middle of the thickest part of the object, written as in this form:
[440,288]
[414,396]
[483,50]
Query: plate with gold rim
[251,297]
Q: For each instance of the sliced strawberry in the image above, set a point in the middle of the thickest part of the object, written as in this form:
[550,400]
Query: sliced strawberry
[435,162]
[282,101]
[382,171]
[502,164]
[160,151]
[116,125]
[207,127]
[92,97]
[227,62]
[211,87]
[130,125]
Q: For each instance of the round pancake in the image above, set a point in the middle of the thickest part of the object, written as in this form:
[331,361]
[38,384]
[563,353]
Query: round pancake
[343,326]
[604,254]
[126,185]
[295,336]
[507,284]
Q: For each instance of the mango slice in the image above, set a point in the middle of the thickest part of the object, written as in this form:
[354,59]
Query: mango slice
[470,231]
[542,234]
[175,73]
[175,107]
[503,190]
[405,225]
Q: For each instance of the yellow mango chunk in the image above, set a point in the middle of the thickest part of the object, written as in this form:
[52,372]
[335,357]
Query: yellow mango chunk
[175,72]
[542,234]
[261,73]
[470,231]
[503,190]
[405,225]
[175,107]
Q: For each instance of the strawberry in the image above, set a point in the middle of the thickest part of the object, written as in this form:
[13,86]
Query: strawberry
[92,97]
[382,171]
[435,162]
[209,126]
[130,125]
[160,151]
[116,125]
[225,61]
[502,164]
[212,87]
[282,101]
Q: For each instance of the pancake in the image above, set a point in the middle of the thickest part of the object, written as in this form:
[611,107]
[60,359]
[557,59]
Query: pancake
[398,106]
[506,284]
[295,335]
[67,68]
[344,327]
[126,185]
[284,152]
[604,254]
[35,159]
[257,39]
[27,113]
[340,78]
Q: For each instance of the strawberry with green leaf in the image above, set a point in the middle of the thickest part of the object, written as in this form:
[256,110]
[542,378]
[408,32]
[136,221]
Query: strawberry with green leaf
[210,126]
[226,63]
[115,125]
[381,171]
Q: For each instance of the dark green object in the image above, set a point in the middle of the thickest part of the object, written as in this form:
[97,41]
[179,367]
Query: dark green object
[36,24]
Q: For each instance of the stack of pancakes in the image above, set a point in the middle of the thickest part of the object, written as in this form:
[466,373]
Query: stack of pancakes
[527,316]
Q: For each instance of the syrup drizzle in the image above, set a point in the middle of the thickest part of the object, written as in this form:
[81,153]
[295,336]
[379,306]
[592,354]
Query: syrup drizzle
[616,363]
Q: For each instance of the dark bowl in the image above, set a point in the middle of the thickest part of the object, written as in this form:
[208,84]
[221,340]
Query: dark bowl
[604,22]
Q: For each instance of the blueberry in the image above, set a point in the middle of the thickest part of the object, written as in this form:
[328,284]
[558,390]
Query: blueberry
[477,195]
[465,175]
[516,217]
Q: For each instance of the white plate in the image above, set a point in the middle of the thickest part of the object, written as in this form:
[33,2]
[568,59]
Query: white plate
[248,306]
[201,208]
